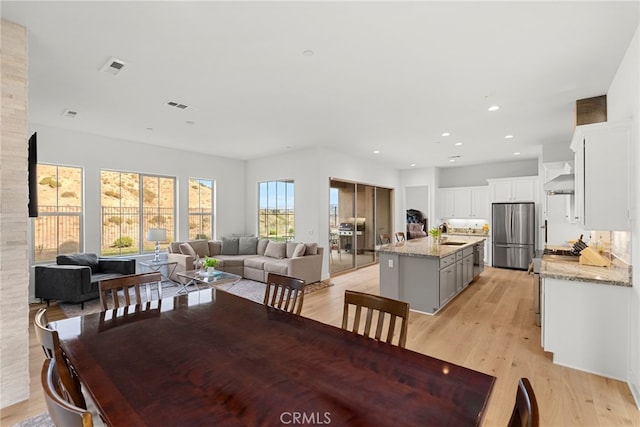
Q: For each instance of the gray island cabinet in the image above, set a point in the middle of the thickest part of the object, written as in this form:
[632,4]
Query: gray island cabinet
[426,274]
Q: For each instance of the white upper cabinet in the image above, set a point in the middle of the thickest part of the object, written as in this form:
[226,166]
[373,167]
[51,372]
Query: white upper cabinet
[463,202]
[523,189]
[602,172]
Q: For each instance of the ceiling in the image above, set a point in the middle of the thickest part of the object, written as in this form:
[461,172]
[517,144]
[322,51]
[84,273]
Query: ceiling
[261,78]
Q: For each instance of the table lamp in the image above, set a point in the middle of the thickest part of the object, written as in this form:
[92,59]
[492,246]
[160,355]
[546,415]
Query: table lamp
[157,234]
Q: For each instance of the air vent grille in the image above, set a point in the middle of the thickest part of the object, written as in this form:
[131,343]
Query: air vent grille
[177,105]
[113,66]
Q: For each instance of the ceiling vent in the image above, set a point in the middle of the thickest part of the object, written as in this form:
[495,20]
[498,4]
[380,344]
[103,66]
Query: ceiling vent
[177,105]
[70,113]
[113,66]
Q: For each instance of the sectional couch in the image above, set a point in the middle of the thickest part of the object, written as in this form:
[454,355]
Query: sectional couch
[251,257]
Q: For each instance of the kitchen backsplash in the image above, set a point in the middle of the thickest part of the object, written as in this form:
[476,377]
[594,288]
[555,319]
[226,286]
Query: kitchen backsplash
[618,243]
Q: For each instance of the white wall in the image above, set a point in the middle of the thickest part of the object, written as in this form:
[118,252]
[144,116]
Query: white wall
[311,170]
[623,102]
[94,153]
[473,175]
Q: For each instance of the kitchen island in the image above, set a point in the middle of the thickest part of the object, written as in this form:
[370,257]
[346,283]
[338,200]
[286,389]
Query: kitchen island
[585,315]
[428,274]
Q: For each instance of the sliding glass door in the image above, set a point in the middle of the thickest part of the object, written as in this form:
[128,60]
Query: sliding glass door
[356,213]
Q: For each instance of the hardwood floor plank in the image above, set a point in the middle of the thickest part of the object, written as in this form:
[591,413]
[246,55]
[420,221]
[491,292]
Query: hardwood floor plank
[489,327]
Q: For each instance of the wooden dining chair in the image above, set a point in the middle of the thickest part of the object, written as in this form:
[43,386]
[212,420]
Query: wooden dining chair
[384,238]
[400,237]
[126,284]
[62,412]
[381,306]
[50,342]
[284,293]
[525,410]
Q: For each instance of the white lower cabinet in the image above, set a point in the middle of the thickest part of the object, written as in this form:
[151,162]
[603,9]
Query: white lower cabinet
[585,325]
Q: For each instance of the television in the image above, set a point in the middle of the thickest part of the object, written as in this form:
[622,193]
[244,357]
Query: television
[33,175]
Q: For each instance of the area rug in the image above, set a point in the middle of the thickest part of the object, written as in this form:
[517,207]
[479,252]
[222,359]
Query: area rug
[42,420]
[244,288]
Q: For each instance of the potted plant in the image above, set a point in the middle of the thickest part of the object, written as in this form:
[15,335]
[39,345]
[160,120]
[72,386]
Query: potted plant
[435,234]
[209,264]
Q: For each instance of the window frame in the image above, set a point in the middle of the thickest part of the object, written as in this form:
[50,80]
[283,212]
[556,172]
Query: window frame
[212,209]
[263,212]
[57,214]
[143,246]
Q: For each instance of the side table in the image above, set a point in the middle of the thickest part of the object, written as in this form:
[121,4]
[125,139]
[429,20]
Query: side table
[157,266]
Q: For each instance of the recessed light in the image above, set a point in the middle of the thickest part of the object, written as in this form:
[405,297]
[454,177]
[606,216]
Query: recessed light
[70,113]
[376,151]
[412,165]
[458,143]
[494,108]
[517,153]
[308,53]
[452,160]
[190,122]
[508,136]
[446,134]
[149,129]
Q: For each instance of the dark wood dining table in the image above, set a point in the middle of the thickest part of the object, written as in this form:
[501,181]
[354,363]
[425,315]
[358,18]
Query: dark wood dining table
[213,358]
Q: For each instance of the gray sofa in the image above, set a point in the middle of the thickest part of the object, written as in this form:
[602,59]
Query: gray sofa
[75,277]
[251,257]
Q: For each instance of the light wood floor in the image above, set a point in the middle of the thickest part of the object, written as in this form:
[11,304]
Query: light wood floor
[489,328]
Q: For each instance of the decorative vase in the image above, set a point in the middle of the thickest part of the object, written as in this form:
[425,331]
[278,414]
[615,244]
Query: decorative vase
[210,270]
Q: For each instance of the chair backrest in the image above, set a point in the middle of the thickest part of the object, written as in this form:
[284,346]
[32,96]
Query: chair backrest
[50,342]
[284,293]
[384,238]
[400,236]
[126,284]
[63,413]
[44,334]
[525,410]
[379,305]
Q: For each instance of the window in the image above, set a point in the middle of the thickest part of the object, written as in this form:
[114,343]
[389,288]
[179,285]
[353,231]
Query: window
[276,212]
[57,229]
[201,198]
[132,204]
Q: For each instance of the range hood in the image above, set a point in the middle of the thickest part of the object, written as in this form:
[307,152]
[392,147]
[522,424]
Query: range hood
[562,184]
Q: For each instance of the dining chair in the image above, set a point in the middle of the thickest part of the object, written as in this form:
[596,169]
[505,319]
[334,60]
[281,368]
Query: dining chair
[62,412]
[126,284]
[381,306]
[50,342]
[385,238]
[400,236]
[284,293]
[525,410]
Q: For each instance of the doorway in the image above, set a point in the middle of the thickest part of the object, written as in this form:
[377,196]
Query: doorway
[358,214]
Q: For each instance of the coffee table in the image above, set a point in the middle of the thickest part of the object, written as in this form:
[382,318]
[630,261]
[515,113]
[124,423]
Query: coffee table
[197,277]
[157,266]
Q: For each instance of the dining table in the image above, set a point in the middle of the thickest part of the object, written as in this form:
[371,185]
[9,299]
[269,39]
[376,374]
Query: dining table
[213,358]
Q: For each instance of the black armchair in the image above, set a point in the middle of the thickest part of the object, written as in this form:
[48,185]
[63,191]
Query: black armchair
[74,278]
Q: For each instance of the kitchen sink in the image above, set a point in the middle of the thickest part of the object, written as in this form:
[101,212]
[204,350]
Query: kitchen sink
[453,243]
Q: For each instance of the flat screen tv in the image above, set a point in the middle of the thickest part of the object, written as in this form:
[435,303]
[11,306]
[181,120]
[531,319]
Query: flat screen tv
[33,176]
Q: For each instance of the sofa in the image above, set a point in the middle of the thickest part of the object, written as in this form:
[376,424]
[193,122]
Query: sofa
[74,277]
[251,257]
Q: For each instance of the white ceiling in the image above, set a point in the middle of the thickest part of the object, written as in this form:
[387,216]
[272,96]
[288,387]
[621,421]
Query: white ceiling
[388,76]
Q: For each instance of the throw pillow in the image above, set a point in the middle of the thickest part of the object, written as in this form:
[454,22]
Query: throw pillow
[247,245]
[291,246]
[262,246]
[201,247]
[299,251]
[311,249]
[215,247]
[186,249]
[88,259]
[276,249]
[230,245]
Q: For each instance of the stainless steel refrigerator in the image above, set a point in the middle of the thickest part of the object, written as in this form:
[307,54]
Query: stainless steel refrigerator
[513,234]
